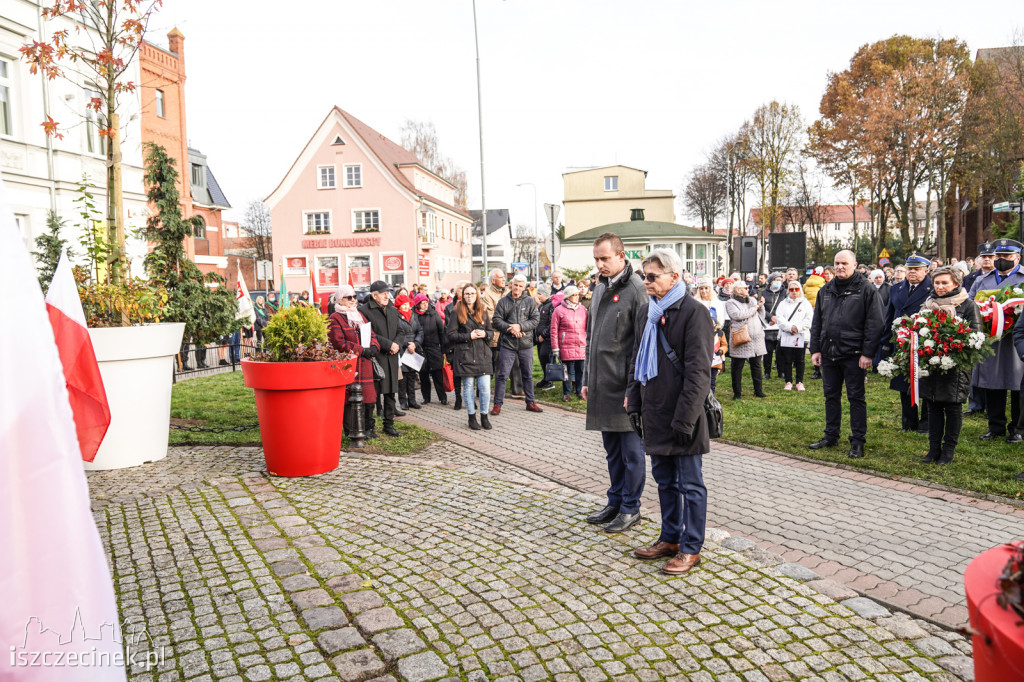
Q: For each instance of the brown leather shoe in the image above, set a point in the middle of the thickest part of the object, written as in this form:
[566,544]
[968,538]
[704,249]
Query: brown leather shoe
[533,407]
[680,564]
[496,410]
[656,551]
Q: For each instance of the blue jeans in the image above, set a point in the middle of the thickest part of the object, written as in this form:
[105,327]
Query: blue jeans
[470,387]
[574,372]
[684,500]
[236,339]
[627,469]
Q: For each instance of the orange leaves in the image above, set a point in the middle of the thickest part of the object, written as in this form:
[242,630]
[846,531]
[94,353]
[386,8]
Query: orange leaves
[50,128]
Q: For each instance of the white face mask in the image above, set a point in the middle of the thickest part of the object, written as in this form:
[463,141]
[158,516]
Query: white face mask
[776,285]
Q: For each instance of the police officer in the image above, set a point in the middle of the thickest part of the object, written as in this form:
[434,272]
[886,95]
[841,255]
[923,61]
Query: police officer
[1003,371]
[983,265]
[906,298]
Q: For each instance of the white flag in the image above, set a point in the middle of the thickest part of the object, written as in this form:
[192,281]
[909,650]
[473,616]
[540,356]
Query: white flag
[245,308]
[57,604]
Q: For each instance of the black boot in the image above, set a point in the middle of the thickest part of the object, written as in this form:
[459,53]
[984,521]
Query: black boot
[413,405]
[934,452]
[458,402]
[484,421]
[390,430]
[402,402]
[473,423]
[946,456]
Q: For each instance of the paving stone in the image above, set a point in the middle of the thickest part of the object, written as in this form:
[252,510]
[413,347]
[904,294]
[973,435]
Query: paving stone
[716,535]
[318,555]
[345,583]
[321,617]
[761,557]
[830,588]
[422,667]
[961,666]
[310,598]
[398,643]
[378,620]
[797,572]
[364,600]
[286,568]
[738,544]
[353,666]
[334,641]
[902,626]
[934,647]
[329,569]
[294,583]
[866,608]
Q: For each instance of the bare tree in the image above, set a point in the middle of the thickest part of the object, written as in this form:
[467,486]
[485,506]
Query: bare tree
[256,223]
[729,160]
[420,137]
[706,194]
[805,212]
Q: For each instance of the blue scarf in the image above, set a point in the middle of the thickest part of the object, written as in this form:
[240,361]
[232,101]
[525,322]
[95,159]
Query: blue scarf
[647,354]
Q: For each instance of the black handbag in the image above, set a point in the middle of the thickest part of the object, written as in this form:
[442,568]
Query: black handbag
[555,371]
[712,408]
[378,370]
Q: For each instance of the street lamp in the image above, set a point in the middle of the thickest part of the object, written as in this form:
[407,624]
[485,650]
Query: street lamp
[536,254]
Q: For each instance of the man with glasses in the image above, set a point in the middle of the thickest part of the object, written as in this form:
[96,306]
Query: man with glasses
[616,302]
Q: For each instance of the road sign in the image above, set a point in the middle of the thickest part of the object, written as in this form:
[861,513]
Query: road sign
[520,267]
[552,212]
[1001,207]
[264,270]
[884,254]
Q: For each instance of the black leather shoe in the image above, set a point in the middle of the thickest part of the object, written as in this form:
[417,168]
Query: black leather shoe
[922,427]
[399,413]
[990,435]
[390,430]
[760,395]
[856,451]
[622,522]
[458,403]
[1014,438]
[1019,477]
[907,430]
[823,443]
[444,401]
[544,385]
[413,405]
[971,413]
[372,435]
[604,515]
[932,456]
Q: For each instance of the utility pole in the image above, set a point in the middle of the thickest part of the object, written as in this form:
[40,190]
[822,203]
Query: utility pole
[483,190]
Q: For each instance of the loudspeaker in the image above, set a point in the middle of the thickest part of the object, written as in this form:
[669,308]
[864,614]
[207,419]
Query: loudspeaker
[787,250]
[744,254]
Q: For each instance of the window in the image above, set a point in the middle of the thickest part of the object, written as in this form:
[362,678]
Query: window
[94,142]
[318,223]
[366,221]
[327,271]
[6,88]
[197,175]
[428,227]
[611,183]
[199,228]
[354,175]
[160,111]
[325,177]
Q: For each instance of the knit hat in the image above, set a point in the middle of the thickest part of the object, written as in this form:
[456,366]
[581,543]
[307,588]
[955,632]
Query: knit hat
[419,298]
[543,289]
[570,291]
[402,300]
[704,281]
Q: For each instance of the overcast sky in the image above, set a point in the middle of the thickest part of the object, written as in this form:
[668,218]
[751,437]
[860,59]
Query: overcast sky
[566,83]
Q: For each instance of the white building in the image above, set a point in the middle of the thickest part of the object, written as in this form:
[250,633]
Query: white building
[499,242]
[43,172]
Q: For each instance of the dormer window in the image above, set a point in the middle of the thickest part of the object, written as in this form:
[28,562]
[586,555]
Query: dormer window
[611,183]
[197,175]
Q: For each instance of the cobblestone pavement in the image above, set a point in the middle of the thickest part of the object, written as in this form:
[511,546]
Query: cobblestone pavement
[445,566]
[904,544]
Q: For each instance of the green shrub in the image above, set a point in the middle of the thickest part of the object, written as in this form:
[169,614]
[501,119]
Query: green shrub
[292,332]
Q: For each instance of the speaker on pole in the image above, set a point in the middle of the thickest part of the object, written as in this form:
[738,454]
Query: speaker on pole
[744,253]
[787,250]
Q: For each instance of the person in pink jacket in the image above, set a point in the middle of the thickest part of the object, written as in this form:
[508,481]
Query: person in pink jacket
[569,339]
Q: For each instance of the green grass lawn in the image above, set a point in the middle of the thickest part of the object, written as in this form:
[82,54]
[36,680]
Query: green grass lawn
[788,421]
[223,400]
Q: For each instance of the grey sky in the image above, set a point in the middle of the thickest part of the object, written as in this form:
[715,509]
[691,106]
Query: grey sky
[566,83]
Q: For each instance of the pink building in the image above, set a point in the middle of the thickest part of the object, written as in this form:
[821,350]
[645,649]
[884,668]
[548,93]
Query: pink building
[356,206]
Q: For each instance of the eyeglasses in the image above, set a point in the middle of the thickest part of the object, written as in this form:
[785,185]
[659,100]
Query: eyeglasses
[348,298]
[794,290]
[651,277]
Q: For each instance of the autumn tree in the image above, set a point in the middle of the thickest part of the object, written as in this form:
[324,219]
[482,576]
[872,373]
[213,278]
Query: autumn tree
[256,225]
[421,139]
[706,195]
[99,52]
[773,137]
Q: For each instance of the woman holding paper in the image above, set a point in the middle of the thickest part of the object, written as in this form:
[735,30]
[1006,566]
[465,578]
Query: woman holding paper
[343,331]
[794,315]
[431,348]
[469,328]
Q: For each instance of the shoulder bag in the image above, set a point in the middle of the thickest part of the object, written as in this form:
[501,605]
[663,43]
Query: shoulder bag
[712,408]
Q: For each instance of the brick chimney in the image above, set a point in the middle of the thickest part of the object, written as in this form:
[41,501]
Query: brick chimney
[176,42]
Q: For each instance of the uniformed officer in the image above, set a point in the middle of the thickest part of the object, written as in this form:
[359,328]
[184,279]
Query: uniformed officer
[983,265]
[1003,371]
[906,298]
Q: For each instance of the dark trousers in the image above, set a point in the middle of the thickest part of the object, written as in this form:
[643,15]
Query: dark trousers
[995,401]
[835,373]
[574,370]
[976,399]
[627,470]
[438,376]
[388,403]
[407,387]
[909,417]
[517,379]
[790,358]
[770,347]
[684,500]
[544,354]
[755,375]
[944,423]
[714,378]
[506,365]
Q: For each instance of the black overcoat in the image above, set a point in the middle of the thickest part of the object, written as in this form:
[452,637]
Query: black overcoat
[386,324]
[902,302]
[433,343]
[672,401]
[952,387]
[470,357]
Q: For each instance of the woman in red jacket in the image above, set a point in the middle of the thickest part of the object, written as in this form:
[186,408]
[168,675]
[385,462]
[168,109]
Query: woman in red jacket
[569,339]
[343,333]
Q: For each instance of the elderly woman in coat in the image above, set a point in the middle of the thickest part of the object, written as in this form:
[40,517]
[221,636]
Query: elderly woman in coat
[569,338]
[746,314]
[343,333]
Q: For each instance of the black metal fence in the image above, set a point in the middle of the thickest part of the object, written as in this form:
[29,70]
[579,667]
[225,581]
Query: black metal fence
[196,360]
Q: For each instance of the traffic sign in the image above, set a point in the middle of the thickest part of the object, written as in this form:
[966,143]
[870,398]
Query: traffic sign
[552,212]
[1001,207]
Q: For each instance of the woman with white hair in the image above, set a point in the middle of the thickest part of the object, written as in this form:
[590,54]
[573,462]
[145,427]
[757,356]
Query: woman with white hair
[343,333]
[877,277]
[569,339]
[746,314]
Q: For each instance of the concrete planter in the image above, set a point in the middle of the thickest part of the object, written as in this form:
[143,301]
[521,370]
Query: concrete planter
[137,365]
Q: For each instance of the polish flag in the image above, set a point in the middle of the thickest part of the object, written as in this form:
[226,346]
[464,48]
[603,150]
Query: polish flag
[55,586]
[245,308]
[81,371]
[314,297]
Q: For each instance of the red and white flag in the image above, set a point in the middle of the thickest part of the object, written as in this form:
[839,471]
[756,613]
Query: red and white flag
[314,297]
[245,308]
[56,592]
[81,371]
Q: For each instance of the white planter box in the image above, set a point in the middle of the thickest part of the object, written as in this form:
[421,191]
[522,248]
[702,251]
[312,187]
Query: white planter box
[136,364]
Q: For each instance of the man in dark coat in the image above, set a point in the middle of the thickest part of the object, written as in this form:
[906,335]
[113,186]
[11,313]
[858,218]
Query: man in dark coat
[906,298]
[516,317]
[983,264]
[385,321]
[1003,371]
[617,299]
[669,379]
[845,330]
[543,332]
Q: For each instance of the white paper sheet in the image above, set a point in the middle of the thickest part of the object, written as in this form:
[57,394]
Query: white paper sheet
[412,360]
[364,335]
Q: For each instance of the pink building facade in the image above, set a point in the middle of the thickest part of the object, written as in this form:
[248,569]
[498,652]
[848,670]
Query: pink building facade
[357,207]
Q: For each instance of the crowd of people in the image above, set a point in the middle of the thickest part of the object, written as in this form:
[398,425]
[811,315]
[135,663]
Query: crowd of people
[644,349]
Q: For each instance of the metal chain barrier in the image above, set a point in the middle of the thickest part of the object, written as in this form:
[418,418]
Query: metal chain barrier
[215,429]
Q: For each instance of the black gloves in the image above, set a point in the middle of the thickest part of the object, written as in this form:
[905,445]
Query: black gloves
[683,439]
[637,423]
[370,352]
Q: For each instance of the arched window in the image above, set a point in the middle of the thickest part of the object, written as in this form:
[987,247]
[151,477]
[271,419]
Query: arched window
[199,230]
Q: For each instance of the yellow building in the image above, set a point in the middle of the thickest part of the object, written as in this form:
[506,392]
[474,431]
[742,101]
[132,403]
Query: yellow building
[600,196]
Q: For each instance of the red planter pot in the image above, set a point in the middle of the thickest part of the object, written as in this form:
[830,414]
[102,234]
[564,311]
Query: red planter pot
[999,648]
[300,407]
